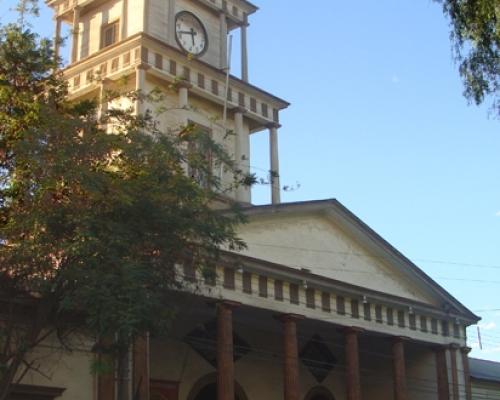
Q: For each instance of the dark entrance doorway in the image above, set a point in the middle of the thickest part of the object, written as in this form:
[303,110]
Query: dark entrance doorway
[209,392]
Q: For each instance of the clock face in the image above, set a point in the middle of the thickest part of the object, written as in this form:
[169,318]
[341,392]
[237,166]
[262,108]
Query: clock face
[190,33]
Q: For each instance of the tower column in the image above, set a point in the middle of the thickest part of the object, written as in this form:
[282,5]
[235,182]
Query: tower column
[352,363]
[183,87]
[244,49]
[399,365]
[442,374]
[184,93]
[225,357]
[224,62]
[57,38]
[466,369]
[274,178]
[76,34]
[140,84]
[124,20]
[140,368]
[291,381]
[454,371]
[241,152]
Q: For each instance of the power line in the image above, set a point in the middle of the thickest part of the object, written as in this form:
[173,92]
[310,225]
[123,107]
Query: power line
[362,255]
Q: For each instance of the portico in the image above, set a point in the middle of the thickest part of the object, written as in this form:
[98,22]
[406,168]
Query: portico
[234,351]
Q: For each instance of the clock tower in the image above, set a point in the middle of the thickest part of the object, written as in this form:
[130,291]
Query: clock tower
[155,43]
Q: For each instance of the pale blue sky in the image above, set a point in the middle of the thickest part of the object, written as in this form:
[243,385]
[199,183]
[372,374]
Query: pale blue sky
[378,121]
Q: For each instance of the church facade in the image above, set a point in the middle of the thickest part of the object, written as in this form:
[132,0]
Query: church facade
[318,307]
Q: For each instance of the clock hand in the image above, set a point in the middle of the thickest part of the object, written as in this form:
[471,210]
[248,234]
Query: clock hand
[193,33]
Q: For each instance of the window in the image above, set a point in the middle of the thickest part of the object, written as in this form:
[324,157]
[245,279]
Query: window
[109,34]
[209,275]
[423,324]
[445,328]
[434,326]
[229,278]
[189,271]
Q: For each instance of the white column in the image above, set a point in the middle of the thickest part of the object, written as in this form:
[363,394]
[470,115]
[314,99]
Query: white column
[145,21]
[244,50]
[184,87]
[184,94]
[223,41]
[275,166]
[76,34]
[103,102]
[140,85]
[57,38]
[124,20]
[241,155]
[171,22]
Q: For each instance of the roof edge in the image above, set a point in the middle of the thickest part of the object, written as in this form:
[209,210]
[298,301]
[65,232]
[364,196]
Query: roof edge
[321,205]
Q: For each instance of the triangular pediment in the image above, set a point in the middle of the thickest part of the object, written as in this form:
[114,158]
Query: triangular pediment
[326,239]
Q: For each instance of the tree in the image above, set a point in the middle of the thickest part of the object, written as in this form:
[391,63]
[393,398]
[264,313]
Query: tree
[475,32]
[92,224]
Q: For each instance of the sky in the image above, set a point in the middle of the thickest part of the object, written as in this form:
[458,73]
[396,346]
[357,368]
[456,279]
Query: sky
[378,121]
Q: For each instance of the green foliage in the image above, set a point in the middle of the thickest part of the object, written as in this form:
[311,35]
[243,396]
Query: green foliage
[92,224]
[476,36]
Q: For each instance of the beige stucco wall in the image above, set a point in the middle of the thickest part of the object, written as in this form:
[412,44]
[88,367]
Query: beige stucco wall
[64,369]
[158,20]
[90,26]
[316,243]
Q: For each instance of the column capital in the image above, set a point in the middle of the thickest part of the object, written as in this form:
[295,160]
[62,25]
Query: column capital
[398,339]
[228,304]
[454,346]
[183,84]
[290,317]
[465,350]
[273,125]
[239,110]
[143,66]
[351,330]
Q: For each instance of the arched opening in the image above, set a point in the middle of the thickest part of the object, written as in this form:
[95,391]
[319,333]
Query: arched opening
[319,393]
[206,389]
